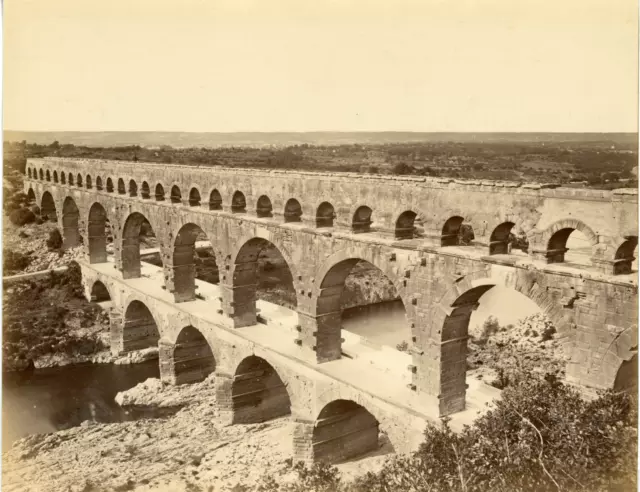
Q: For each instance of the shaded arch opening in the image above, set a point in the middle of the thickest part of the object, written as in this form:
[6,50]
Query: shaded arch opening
[109,185]
[325,215]
[260,272]
[31,196]
[145,191]
[362,220]
[625,261]
[97,229]
[238,203]
[192,358]
[133,188]
[48,175]
[159,193]
[99,183]
[257,392]
[193,258]
[70,224]
[70,179]
[55,176]
[88,182]
[360,306]
[137,235]
[99,292]
[456,233]
[63,178]
[292,211]
[41,174]
[194,197]
[569,245]
[501,239]
[176,195]
[343,430]
[477,340]
[79,181]
[29,172]
[122,190]
[264,207]
[48,207]
[627,376]
[215,200]
[139,330]
[405,225]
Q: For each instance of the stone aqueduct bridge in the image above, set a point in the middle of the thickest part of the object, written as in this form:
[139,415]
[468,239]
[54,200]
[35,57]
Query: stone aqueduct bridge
[322,224]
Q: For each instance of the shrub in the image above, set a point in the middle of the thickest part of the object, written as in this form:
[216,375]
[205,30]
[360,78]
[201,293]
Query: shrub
[402,168]
[403,347]
[15,261]
[490,326]
[22,216]
[54,241]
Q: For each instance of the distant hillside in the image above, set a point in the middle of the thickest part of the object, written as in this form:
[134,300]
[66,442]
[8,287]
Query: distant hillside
[280,139]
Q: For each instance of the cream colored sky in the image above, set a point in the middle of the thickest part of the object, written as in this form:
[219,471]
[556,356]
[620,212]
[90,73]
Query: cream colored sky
[301,65]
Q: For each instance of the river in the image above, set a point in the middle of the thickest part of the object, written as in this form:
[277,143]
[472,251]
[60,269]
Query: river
[47,400]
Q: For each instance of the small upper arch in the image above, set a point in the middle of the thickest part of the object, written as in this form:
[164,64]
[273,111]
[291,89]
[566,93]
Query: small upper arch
[55,176]
[176,195]
[292,211]
[362,219]
[264,207]
[70,179]
[121,188]
[99,183]
[145,191]
[325,215]
[238,203]
[88,182]
[194,197]
[109,185]
[133,188]
[48,175]
[215,200]
[79,181]
[405,225]
[159,192]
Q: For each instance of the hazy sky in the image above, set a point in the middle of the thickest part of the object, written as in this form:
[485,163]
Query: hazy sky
[301,65]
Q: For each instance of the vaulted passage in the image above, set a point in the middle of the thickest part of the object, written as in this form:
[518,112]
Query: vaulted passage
[89,183]
[121,187]
[360,305]
[109,185]
[569,246]
[627,377]
[159,193]
[176,195]
[145,192]
[343,430]
[215,200]
[456,233]
[264,207]
[190,360]
[99,183]
[193,258]
[138,330]
[99,292]
[362,220]
[325,215]
[293,211]
[260,272]
[405,225]
[133,188]
[194,197]
[97,234]
[137,233]
[238,203]
[70,218]
[257,392]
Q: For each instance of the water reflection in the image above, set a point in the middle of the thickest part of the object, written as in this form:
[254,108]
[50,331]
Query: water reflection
[47,400]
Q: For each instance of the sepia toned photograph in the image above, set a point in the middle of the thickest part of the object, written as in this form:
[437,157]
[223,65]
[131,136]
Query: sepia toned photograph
[328,246]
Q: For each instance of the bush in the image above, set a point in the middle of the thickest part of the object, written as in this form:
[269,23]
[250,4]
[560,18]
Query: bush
[22,216]
[541,435]
[15,261]
[54,241]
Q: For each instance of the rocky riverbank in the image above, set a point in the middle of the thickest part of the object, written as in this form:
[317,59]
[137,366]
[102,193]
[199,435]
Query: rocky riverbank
[191,450]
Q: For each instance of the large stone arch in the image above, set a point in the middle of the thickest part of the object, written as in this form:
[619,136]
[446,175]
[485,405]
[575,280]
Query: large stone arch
[130,264]
[99,292]
[342,430]
[190,359]
[183,259]
[449,318]
[138,330]
[48,206]
[321,327]
[242,279]
[97,233]
[257,392]
[70,224]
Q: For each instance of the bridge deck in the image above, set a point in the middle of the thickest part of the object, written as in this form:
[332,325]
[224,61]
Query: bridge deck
[381,377]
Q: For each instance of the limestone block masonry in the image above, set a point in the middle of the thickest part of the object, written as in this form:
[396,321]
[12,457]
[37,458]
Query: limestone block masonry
[322,224]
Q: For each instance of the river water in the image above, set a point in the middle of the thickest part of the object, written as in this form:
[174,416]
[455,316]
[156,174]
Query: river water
[47,400]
